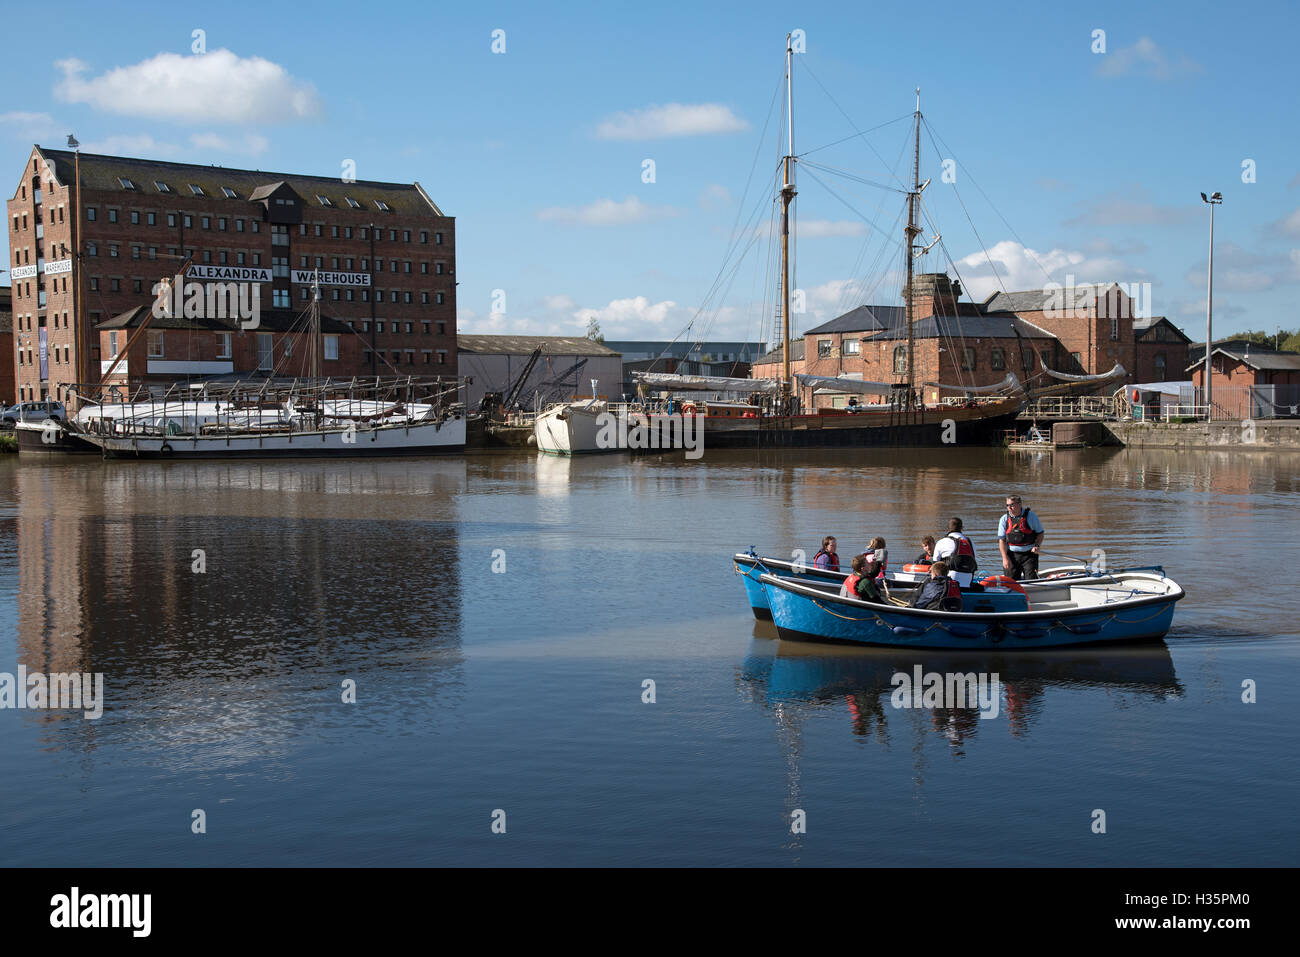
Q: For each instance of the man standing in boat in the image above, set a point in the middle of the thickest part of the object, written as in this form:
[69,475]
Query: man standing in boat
[957,551]
[1020,534]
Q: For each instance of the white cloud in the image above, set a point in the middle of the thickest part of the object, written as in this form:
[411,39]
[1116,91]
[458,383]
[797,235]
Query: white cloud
[1132,207]
[1288,225]
[30,127]
[251,144]
[823,228]
[216,87]
[715,196]
[1239,270]
[1145,58]
[671,119]
[1016,267]
[127,144]
[559,303]
[607,212]
[622,316]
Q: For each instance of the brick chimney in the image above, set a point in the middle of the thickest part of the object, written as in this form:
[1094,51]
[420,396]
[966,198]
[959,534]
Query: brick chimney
[934,294]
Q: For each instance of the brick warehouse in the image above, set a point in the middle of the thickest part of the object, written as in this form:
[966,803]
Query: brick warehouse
[385,254]
[977,343]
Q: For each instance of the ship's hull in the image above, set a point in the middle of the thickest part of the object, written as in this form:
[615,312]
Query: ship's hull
[427,438]
[980,425]
[54,441]
[569,430]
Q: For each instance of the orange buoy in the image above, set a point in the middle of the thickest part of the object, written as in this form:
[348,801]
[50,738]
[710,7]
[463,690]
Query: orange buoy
[1002,581]
[917,568]
[1136,396]
[688,408]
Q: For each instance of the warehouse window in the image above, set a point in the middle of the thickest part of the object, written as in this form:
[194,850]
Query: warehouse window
[196,190]
[162,187]
[352,202]
[324,200]
[997,360]
[382,205]
[229,193]
[126,183]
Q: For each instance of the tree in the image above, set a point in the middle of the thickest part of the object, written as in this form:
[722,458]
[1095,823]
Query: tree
[593,331]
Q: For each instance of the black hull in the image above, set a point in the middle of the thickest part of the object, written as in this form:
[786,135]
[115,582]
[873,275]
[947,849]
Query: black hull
[30,441]
[927,433]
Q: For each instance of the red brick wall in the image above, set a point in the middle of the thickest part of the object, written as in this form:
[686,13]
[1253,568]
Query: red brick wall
[104,303]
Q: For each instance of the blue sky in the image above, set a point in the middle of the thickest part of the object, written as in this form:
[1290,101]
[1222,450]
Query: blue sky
[1068,161]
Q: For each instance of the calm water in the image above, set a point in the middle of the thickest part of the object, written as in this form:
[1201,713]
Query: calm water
[522,690]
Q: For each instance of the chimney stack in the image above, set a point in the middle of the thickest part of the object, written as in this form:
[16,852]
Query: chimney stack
[934,294]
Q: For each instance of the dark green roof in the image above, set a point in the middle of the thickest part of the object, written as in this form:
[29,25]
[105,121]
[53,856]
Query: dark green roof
[101,172]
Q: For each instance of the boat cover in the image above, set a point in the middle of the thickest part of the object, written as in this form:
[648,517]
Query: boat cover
[709,383]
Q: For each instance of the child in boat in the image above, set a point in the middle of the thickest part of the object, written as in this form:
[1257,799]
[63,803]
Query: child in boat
[940,592]
[862,583]
[827,558]
[927,555]
[876,552]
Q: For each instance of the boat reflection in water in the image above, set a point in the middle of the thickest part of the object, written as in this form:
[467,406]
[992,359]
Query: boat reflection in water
[794,680]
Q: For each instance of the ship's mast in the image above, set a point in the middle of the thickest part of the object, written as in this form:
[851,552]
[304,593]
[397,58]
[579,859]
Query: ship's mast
[787,194]
[909,251]
[317,340]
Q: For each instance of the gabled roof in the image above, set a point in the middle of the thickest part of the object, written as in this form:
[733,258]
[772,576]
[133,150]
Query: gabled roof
[100,172]
[262,192]
[1264,361]
[862,319]
[966,327]
[524,345]
[1141,327]
[1196,351]
[1037,300]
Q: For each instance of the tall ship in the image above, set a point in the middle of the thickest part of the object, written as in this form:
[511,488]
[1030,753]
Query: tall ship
[879,413]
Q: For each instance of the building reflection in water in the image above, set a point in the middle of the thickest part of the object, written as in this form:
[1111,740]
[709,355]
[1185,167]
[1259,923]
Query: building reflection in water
[226,603]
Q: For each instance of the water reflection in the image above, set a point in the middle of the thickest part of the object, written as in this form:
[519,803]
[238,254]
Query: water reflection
[226,603]
[792,680]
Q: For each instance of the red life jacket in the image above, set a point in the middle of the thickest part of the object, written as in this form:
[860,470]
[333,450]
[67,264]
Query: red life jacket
[1018,530]
[834,563]
[963,559]
[851,585]
[954,589]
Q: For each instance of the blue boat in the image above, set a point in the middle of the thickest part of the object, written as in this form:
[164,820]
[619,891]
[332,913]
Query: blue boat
[1129,605]
[751,567]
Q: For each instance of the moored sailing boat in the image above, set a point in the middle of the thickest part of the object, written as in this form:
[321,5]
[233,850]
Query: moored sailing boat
[970,415]
[315,417]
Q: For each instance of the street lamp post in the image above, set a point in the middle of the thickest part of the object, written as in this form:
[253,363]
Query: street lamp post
[1214,199]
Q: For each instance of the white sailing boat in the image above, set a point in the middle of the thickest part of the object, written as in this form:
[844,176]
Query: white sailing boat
[402,415]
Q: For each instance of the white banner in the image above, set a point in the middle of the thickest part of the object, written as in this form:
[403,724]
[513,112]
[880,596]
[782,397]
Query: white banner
[227,273]
[58,266]
[307,276]
[24,272]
